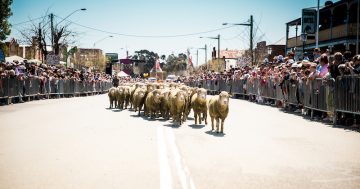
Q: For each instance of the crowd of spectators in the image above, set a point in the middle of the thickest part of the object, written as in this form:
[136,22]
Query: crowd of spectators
[322,66]
[286,68]
[20,71]
[25,69]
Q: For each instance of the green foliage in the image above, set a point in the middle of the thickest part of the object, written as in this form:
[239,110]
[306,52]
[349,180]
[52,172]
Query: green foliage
[5,13]
[176,63]
[148,56]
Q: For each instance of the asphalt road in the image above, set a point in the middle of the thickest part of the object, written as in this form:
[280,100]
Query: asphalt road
[79,143]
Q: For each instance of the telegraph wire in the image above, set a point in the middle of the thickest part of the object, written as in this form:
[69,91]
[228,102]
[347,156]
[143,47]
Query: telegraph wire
[145,36]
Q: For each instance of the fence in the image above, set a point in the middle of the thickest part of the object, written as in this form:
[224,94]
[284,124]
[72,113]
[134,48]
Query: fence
[342,95]
[11,88]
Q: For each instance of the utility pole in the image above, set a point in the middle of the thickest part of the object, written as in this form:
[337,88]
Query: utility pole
[317,24]
[52,30]
[251,38]
[357,30]
[39,43]
[206,57]
[197,57]
[218,38]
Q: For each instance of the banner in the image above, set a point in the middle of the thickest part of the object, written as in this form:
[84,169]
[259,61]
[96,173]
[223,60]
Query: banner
[127,66]
[52,59]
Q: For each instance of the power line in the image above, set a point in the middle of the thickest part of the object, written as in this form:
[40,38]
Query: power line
[258,27]
[146,36]
[20,23]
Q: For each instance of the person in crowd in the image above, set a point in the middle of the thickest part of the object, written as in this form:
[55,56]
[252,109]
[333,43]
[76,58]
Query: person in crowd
[316,54]
[115,81]
[323,62]
[355,65]
[334,65]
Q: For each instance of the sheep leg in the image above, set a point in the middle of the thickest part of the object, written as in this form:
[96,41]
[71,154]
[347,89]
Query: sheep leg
[212,123]
[222,125]
[205,117]
[180,119]
[195,116]
[217,124]
[200,118]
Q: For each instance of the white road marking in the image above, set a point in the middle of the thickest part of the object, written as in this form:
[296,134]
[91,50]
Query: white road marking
[165,171]
[182,170]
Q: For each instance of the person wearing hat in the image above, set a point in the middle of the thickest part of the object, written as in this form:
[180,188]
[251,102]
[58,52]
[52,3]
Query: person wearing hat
[313,73]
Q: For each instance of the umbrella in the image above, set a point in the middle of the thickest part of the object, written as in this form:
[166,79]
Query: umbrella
[122,74]
[12,58]
[35,61]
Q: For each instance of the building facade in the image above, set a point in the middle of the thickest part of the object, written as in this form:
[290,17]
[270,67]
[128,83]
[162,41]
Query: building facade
[88,57]
[338,32]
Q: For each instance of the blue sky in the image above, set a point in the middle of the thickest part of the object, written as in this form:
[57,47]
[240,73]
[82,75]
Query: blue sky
[165,17]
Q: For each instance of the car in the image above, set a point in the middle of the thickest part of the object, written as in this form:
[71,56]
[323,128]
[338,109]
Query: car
[152,79]
[171,78]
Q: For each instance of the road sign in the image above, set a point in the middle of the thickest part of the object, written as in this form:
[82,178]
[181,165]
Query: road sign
[2,56]
[53,59]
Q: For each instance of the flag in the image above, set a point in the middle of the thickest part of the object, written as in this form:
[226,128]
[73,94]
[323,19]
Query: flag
[157,66]
[190,60]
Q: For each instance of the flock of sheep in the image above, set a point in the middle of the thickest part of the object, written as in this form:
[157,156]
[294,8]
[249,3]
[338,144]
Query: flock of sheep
[171,100]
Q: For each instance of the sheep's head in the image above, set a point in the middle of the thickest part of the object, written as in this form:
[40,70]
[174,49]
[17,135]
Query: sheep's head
[224,98]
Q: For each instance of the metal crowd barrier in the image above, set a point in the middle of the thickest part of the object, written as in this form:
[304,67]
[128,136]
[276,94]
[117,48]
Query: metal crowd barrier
[342,95]
[34,86]
[347,95]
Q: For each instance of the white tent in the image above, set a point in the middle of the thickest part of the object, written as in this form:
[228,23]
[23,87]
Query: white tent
[12,58]
[35,60]
[122,74]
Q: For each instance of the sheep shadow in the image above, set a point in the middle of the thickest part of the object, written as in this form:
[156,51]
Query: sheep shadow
[173,125]
[116,110]
[215,134]
[146,118]
[196,126]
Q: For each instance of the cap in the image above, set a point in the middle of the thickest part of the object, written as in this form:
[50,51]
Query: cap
[294,65]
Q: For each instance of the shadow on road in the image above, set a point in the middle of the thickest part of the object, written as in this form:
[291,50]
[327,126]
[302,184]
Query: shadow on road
[196,126]
[215,134]
[172,125]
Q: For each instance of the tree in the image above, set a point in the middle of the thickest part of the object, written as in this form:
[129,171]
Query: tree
[148,56]
[5,13]
[59,35]
[175,64]
[35,34]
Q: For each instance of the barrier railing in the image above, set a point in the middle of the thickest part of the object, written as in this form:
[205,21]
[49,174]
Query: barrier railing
[347,95]
[34,86]
[342,95]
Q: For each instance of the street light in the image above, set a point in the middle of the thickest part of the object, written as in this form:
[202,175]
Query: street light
[82,9]
[218,38]
[52,22]
[205,48]
[197,54]
[98,42]
[102,39]
[303,38]
[251,25]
